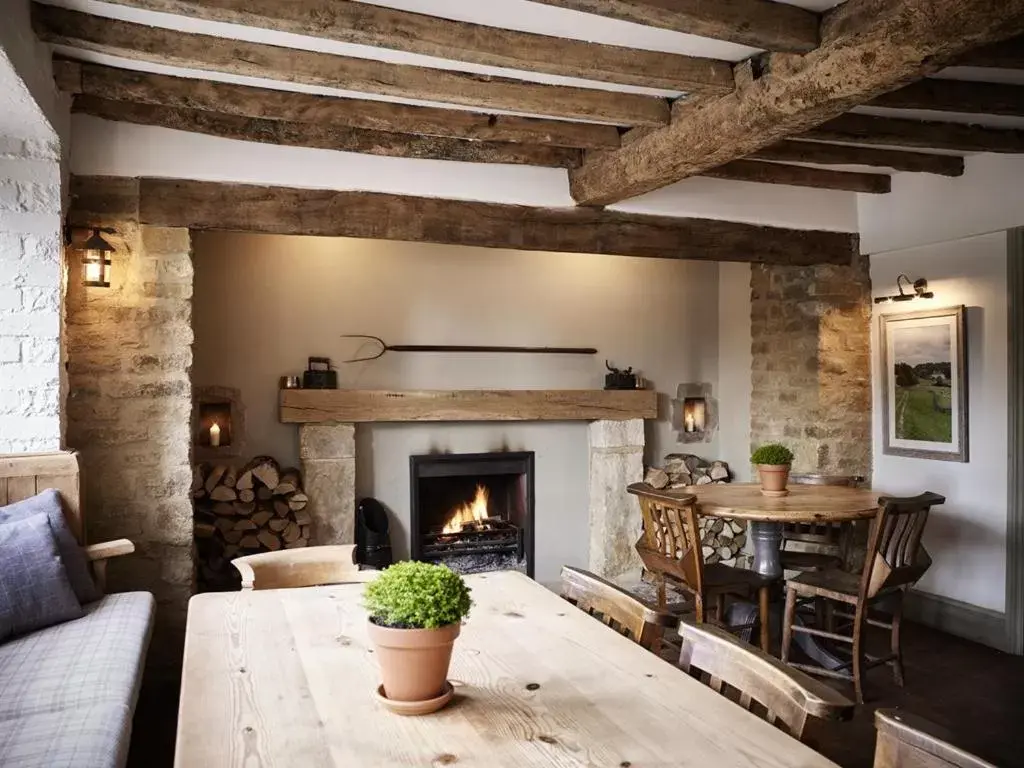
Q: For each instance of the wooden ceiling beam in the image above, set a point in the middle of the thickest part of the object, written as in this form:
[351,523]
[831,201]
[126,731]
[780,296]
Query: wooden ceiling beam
[327,136]
[841,154]
[898,132]
[869,47]
[380,27]
[757,23]
[204,52]
[1008,54]
[956,96]
[285,210]
[337,112]
[801,176]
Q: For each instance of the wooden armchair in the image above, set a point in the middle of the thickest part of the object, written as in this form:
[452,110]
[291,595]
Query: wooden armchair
[908,741]
[670,549]
[305,567]
[750,677]
[24,475]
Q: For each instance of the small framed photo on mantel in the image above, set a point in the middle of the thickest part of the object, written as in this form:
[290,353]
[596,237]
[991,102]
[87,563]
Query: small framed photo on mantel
[924,387]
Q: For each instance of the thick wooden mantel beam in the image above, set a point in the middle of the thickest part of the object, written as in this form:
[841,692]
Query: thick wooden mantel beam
[374,25]
[218,54]
[285,210]
[868,47]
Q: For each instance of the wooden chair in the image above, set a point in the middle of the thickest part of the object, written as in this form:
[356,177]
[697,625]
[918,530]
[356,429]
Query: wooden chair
[829,542]
[305,567]
[670,549]
[24,475]
[615,607]
[895,561]
[750,677]
[907,741]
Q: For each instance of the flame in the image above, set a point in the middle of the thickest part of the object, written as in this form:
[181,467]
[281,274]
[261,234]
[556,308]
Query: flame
[470,512]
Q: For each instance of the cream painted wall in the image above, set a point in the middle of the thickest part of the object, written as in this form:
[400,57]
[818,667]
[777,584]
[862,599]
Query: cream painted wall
[967,536]
[263,304]
[734,364]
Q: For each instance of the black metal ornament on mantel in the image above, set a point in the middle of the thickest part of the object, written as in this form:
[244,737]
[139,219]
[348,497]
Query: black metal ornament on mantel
[383,346]
[616,378]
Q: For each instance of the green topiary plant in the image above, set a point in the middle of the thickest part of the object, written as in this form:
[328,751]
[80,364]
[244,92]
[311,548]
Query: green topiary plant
[773,454]
[413,595]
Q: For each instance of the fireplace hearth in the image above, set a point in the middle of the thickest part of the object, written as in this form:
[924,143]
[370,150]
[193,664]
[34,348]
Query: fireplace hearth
[473,512]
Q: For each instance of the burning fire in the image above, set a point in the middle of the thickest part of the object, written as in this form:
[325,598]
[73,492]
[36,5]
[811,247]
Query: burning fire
[470,512]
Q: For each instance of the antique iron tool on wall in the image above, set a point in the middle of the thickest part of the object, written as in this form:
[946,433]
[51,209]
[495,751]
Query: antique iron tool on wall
[382,347]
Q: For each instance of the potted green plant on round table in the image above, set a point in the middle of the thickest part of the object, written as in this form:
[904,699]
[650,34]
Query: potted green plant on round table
[416,610]
[773,462]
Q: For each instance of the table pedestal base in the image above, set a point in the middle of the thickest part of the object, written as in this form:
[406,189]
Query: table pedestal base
[766,540]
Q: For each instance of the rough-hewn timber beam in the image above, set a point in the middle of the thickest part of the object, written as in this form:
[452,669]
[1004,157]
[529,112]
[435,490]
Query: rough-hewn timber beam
[373,25]
[758,23]
[1008,54]
[897,132]
[335,112]
[208,53]
[800,176]
[868,47]
[956,96]
[840,154]
[284,210]
[326,136]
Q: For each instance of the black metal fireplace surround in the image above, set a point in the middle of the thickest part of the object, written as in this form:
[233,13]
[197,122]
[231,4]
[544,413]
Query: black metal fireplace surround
[441,483]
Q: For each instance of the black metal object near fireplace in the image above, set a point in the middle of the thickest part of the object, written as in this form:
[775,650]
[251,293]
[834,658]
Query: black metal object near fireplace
[473,511]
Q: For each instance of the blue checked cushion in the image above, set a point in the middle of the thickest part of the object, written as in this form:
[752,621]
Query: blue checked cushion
[75,563]
[97,659]
[94,736]
[34,589]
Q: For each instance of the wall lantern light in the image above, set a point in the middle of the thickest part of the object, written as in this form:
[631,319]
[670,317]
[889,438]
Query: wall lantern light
[96,260]
[920,288]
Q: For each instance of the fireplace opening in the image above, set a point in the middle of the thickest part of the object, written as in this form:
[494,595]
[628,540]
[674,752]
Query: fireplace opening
[473,511]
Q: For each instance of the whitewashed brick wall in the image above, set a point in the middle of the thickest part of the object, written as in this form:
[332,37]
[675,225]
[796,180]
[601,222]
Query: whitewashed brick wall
[31,290]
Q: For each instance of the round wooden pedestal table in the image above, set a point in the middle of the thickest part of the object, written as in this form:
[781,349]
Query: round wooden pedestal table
[766,515]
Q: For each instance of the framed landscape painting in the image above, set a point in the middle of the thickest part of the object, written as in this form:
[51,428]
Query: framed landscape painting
[924,394]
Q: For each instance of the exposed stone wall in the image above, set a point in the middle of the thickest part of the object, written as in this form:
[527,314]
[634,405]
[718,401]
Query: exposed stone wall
[30,296]
[328,454]
[811,372]
[129,406]
[616,461]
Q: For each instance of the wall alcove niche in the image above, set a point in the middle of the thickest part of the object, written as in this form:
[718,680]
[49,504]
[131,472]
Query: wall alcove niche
[221,406]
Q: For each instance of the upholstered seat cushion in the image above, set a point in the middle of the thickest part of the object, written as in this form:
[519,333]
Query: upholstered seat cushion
[88,736]
[79,665]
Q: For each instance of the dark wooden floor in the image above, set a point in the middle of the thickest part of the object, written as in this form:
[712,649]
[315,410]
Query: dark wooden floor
[974,691]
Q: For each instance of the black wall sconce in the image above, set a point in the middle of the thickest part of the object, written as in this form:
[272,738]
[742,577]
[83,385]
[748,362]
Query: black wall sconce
[96,252]
[920,288]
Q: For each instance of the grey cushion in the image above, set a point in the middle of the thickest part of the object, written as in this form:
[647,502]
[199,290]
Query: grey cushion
[34,589]
[95,660]
[94,736]
[75,564]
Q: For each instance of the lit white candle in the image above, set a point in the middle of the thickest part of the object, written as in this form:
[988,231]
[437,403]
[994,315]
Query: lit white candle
[689,422]
[215,435]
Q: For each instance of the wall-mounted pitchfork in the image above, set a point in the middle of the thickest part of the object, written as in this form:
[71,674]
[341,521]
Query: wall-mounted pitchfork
[385,347]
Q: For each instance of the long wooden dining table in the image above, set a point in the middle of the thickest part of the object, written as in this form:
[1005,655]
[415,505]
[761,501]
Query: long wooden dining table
[287,677]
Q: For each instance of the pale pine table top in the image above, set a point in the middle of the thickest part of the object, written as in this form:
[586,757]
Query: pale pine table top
[804,504]
[281,678]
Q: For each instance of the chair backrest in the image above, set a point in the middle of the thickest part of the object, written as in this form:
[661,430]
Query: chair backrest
[24,475]
[907,741]
[303,567]
[615,607]
[824,534]
[895,557]
[759,683]
[670,541]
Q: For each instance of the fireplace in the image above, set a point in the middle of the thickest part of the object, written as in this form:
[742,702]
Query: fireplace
[473,511]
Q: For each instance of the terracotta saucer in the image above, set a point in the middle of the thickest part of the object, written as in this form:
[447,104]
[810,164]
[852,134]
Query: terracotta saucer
[774,494]
[416,707]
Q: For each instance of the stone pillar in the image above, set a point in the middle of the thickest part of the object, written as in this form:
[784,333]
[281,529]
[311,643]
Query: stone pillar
[811,367]
[616,460]
[328,454]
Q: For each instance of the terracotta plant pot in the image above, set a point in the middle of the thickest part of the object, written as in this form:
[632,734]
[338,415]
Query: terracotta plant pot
[414,662]
[773,478]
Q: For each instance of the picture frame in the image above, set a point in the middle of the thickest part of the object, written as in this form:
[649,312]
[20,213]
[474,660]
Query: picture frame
[924,384]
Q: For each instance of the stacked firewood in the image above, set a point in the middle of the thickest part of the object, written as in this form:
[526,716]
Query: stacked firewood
[257,508]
